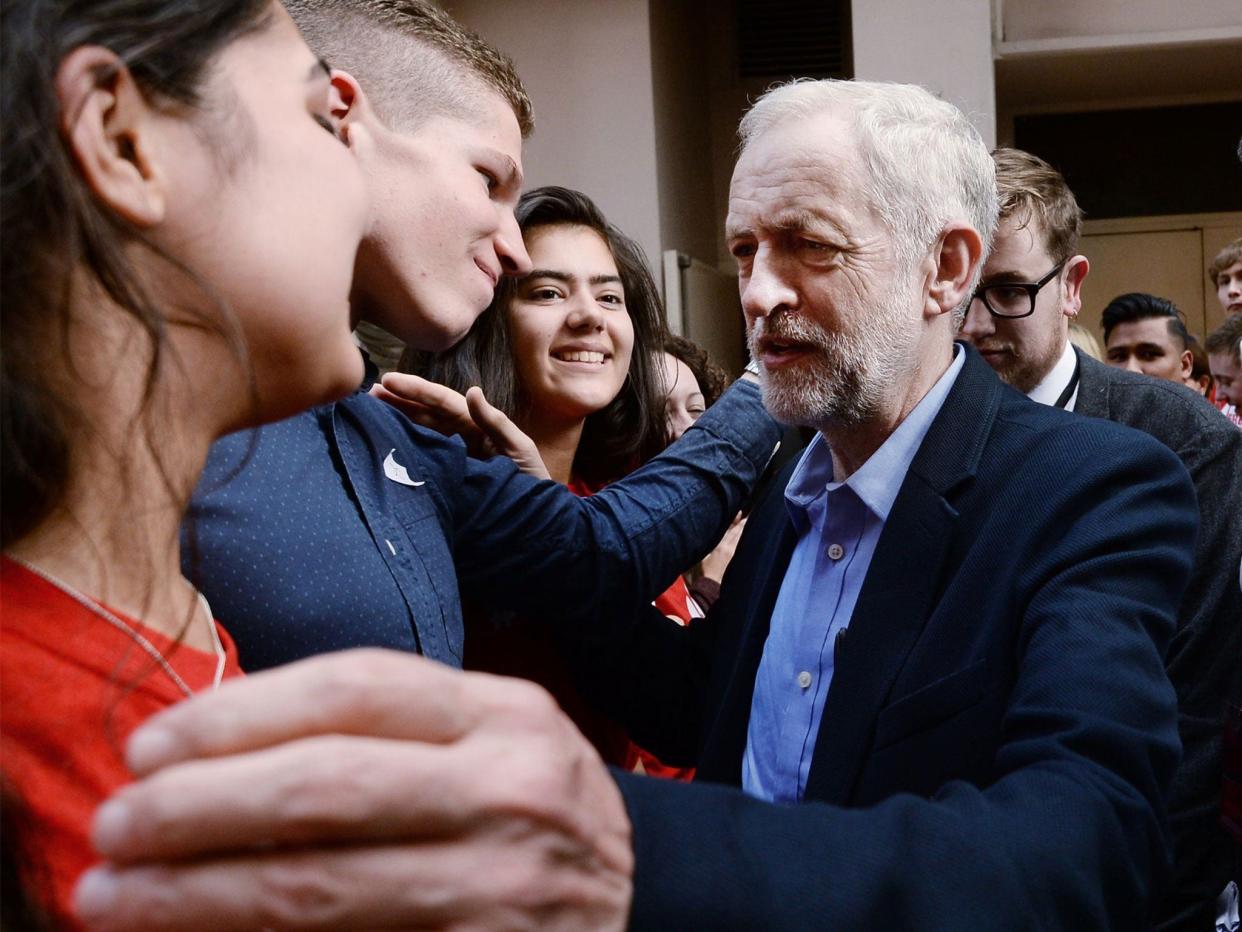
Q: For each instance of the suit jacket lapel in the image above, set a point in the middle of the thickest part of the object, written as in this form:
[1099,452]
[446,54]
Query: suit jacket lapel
[745,614]
[903,582]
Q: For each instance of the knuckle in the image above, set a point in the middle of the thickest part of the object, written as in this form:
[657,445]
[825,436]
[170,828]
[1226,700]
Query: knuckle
[532,704]
[357,680]
[330,795]
[297,893]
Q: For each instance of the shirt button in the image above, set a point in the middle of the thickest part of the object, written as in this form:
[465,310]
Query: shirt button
[836,551]
[804,679]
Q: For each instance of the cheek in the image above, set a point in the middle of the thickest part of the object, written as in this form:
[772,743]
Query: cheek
[623,339]
[531,342]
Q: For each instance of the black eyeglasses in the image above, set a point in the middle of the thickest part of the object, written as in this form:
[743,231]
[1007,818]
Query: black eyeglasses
[1013,299]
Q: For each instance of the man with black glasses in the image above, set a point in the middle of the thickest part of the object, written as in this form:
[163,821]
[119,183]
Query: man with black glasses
[1019,320]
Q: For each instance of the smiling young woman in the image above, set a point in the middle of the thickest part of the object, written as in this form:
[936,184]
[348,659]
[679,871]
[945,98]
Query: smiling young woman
[176,266]
[567,351]
[572,353]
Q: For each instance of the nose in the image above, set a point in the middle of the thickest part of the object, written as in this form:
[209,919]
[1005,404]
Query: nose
[765,289]
[1132,364]
[510,250]
[977,323]
[584,312]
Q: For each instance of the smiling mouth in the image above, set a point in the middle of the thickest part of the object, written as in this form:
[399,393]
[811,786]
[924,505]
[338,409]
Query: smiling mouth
[486,271]
[580,356]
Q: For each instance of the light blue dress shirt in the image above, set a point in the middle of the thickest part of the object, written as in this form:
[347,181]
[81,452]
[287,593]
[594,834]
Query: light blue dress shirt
[838,526]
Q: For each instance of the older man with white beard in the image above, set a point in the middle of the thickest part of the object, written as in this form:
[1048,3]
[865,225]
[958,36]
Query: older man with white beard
[930,697]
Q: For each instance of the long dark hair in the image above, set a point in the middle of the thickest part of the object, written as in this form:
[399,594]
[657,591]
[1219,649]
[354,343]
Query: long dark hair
[630,430]
[54,229]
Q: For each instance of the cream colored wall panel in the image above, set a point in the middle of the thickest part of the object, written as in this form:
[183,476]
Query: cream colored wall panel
[1167,263]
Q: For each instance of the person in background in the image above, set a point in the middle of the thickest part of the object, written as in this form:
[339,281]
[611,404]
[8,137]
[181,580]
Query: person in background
[1200,378]
[1222,347]
[694,382]
[1225,274]
[1012,317]
[1146,334]
[162,285]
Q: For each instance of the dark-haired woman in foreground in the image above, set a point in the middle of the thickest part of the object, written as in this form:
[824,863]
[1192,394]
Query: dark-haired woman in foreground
[179,229]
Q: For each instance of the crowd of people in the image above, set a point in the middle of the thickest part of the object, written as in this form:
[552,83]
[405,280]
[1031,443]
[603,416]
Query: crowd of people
[931,620]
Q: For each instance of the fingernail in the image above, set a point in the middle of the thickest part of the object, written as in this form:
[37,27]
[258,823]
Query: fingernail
[150,748]
[110,827]
[96,895]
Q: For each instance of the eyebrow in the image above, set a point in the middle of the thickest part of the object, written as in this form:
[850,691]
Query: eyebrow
[1141,344]
[790,220]
[1007,277]
[565,277]
[513,174]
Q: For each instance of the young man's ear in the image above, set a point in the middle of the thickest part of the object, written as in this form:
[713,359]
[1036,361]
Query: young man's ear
[1188,364]
[1076,269]
[954,262]
[349,106]
[106,123]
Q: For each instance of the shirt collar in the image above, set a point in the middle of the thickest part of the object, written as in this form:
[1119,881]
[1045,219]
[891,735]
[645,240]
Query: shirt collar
[1054,383]
[879,479]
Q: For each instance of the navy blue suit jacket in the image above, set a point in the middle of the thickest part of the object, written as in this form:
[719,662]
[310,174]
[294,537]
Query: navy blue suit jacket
[999,735]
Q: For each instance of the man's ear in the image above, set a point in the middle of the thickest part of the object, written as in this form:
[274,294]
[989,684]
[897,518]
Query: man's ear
[1188,364]
[955,260]
[106,123]
[1076,269]
[350,108]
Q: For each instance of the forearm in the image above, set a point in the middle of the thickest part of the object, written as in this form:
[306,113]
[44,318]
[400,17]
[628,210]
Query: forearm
[539,549]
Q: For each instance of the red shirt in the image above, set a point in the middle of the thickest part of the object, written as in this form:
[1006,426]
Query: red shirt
[72,689]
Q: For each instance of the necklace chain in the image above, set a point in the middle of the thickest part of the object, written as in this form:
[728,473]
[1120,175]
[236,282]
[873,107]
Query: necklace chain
[150,649]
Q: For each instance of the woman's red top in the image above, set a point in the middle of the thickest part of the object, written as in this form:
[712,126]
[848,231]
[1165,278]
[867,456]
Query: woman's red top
[72,689]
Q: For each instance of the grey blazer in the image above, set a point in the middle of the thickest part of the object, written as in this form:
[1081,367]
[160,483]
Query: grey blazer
[1205,658]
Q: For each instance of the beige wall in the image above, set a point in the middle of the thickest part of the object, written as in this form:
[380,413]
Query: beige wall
[637,102]
[688,209]
[588,69]
[1057,19]
[1165,256]
[945,45]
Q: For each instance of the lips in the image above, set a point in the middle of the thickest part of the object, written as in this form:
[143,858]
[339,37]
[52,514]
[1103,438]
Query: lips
[493,276]
[775,352]
[581,354]
[992,352]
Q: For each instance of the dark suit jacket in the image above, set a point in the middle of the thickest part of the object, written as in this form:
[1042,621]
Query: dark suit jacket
[999,734]
[1205,658]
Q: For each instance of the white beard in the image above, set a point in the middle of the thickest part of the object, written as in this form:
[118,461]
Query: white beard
[849,375]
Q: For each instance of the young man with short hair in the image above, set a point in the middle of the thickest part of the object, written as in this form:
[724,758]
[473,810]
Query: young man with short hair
[349,525]
[1020,328]
[1145,334]
[1225,274]
[1223,360]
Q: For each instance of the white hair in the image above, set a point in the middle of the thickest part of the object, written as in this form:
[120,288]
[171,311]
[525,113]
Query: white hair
[924,164]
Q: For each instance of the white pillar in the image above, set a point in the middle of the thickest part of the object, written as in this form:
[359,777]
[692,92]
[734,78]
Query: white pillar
[944,45]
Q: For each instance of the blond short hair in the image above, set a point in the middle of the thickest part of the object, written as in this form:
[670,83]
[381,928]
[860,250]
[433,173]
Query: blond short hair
[1032,190]
[413,60]
[1224,259]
